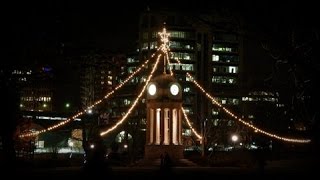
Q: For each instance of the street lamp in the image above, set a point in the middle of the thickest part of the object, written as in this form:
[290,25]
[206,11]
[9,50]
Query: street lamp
[234,139]
[71,146]
[92,146]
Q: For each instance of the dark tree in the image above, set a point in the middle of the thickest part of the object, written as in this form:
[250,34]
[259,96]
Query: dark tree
[9,92]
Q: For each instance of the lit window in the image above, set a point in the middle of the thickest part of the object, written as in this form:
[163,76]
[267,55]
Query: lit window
[181,56]
[214,69]
[131,69]
[186,89]
[214,112]
[245,98]
[216,122]
[233,69]
[187,132]
[215,57]
[126,102]
[145,46]
[187,67]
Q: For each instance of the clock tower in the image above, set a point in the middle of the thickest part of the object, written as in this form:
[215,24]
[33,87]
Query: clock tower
[164,118]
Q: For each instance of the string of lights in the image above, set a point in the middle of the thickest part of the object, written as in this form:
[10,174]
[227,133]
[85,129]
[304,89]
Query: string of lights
[35,133]
[189,123]
[164,48]
[89,108]
[135,102]
[169,64]
[256,129]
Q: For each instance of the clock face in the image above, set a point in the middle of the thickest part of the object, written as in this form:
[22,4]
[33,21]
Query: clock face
[174,89]
[152,89]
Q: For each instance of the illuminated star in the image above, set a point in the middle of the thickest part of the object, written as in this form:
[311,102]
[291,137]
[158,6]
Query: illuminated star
[164,39]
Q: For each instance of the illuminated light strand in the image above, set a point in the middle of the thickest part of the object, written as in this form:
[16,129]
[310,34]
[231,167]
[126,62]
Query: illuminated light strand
[135,102]
[126,80]
[35,133]
[183,111]
[246,123]
[164,47]
[169,64]
[101,100]
[189,124]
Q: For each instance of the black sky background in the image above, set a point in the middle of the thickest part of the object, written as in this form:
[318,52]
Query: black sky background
[37,31]
[46,32]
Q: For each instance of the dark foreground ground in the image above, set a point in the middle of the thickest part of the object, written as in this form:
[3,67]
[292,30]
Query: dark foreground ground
[293,168]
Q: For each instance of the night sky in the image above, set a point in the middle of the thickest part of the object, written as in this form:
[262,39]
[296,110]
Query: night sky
[47,31]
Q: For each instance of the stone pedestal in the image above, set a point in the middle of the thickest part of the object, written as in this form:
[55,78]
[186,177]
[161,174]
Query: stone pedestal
[154,151]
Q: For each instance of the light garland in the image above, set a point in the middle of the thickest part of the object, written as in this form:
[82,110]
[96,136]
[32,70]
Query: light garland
[35,133]
[189,124]
[164,47]
[256,129]
[135,102]
[169,64]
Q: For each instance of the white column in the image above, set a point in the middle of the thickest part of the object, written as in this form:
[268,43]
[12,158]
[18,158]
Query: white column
[158,116]
[166,126]
[151,126]
[179,115]
[174,127]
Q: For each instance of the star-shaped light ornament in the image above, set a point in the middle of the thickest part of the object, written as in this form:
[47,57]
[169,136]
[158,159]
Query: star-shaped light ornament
[165,40]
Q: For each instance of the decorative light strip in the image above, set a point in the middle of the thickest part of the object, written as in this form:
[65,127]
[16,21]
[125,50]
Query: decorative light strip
[256,129]
[189,124]
[169,64]
[35,133]
[135,102]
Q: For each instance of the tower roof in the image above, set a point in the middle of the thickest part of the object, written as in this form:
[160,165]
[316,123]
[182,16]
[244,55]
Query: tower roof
[164,80]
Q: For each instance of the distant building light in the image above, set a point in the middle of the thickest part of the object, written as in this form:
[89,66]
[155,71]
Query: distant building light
[46,69]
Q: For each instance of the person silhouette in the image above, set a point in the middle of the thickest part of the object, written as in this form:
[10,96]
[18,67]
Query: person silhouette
[167,161]
[161,161]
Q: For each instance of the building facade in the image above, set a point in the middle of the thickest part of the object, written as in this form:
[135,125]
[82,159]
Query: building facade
[210,48]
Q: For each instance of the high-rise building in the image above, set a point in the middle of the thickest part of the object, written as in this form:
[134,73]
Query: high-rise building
[98,75]
[35,88]
[210,48]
